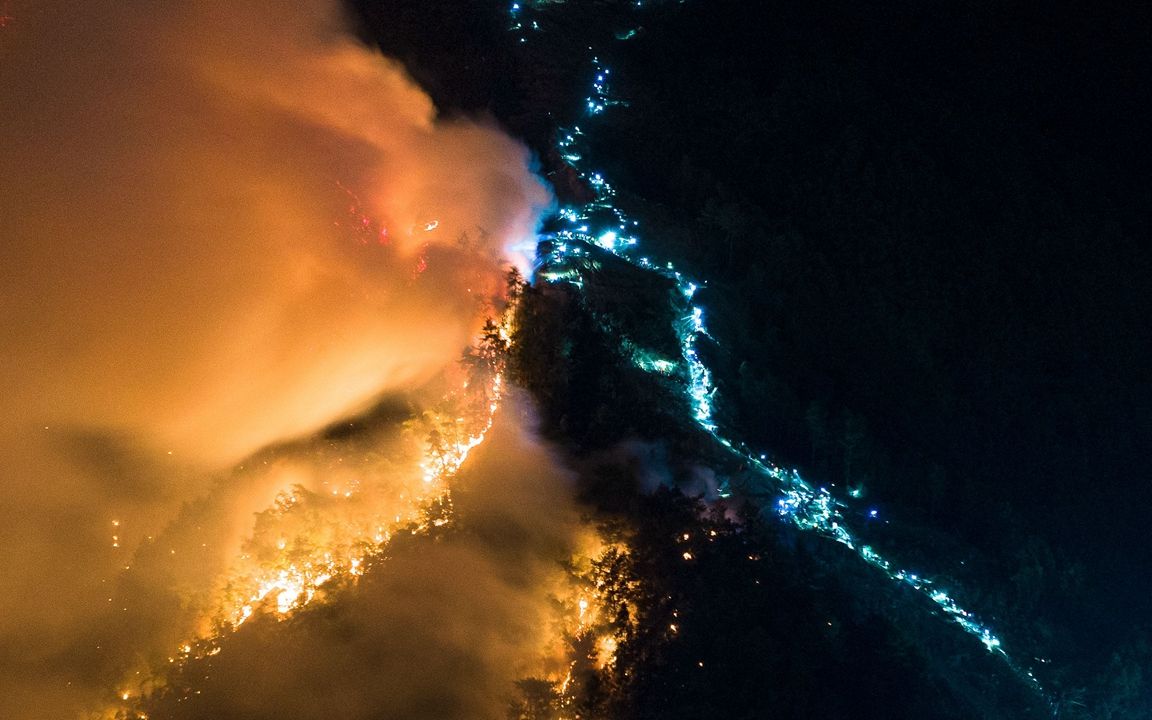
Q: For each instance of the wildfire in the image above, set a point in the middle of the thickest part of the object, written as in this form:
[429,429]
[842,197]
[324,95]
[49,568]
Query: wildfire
[311,550]
[589,623]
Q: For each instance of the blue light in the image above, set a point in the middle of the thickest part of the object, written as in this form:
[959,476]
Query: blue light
[801,504]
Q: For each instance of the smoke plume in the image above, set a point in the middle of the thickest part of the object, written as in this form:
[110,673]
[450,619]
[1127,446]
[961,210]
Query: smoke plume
[223,227]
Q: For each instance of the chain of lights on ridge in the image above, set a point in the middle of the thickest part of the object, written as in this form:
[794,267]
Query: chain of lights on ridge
[601,224]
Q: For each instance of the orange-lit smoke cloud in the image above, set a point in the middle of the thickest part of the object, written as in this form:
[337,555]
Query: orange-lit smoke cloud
[441,628]
[223,224]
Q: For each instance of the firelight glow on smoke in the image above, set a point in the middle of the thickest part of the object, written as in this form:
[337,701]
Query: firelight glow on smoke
[224,226]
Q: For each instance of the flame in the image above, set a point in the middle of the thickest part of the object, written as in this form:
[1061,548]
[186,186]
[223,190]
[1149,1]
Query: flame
[586,621]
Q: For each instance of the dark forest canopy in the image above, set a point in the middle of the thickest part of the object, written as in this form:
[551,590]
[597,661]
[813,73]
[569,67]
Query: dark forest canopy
[925,229]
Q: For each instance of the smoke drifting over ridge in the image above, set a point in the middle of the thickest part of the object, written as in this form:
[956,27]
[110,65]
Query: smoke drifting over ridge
[440,628]
[223,226]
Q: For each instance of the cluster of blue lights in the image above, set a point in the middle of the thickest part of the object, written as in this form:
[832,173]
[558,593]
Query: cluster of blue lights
[517,15]
[601,224]
[600,99]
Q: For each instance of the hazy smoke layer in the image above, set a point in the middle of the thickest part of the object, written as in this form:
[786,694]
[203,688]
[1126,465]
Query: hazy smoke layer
[222,225]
